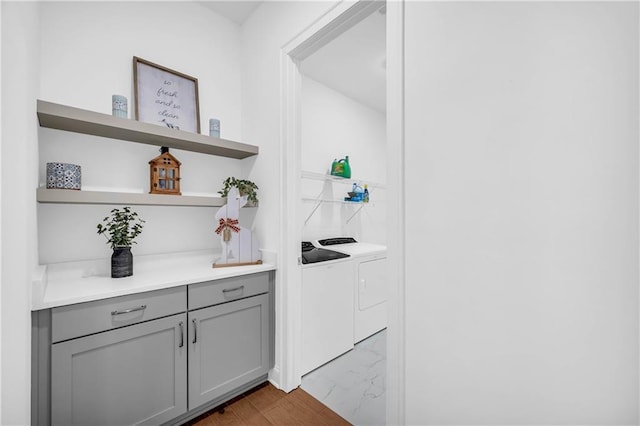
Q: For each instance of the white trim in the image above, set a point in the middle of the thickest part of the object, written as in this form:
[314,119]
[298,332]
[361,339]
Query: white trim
[289,326]
[638,236]
[333,23]
[395,148]
[1,233]
[275,377]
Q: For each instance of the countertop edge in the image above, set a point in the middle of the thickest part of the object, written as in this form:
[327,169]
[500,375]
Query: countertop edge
[51,293]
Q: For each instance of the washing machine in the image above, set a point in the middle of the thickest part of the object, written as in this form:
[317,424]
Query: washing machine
[326,306]
[370,282]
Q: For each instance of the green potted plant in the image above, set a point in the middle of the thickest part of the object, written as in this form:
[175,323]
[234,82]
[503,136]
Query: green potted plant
[122,227]
[245,187]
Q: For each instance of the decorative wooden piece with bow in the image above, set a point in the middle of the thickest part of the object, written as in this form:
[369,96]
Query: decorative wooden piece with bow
[239,245]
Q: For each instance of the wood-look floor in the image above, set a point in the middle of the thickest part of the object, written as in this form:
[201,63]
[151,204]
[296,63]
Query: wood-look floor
[266,405]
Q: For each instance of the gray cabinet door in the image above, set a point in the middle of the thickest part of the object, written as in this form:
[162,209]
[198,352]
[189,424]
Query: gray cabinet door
[131,375]
[228,347]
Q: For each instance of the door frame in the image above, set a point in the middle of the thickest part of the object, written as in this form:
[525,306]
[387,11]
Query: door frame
[334,22]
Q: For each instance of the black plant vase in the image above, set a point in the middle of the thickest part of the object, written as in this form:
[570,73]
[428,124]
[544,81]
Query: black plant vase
[121,262]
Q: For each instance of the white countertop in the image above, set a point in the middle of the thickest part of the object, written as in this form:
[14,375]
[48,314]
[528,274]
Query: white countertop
[67,283]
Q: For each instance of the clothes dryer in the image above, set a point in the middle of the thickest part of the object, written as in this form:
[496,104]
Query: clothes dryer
[371,283]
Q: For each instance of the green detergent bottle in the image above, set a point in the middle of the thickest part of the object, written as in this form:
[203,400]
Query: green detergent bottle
[341,168]
[334,166]
[347,168]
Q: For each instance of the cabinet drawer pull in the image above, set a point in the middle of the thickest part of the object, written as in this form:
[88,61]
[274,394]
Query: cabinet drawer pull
[126,311]
[181,335]
[229,290]
[195,331]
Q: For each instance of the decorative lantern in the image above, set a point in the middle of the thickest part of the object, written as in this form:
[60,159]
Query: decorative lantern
[164,173]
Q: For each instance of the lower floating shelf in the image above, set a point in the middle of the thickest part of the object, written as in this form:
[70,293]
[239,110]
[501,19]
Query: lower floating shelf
[69,196]
[352,203]
[320,201]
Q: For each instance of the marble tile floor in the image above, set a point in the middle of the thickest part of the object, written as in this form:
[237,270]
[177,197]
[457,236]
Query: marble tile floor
[354,384]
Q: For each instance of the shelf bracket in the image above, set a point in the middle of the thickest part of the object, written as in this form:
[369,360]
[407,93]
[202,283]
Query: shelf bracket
[355,213]
[318,201]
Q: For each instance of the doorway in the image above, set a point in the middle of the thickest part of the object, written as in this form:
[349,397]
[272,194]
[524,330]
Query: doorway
[301,160]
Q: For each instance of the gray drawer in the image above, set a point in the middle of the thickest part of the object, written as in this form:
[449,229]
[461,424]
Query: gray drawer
[220,291]
[68,322]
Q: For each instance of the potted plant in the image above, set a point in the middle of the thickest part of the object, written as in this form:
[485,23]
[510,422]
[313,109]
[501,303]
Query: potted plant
[122,227]
[245,187]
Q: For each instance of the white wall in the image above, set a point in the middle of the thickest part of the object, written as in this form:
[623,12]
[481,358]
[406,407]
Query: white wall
[87,51]
[18,154]
[334,126]
[80,54]
[88,47]
[522,248]
[267,30]
[264,34]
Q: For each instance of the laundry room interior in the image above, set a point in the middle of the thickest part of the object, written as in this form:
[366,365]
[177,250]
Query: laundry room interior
[343,87]
[343,154]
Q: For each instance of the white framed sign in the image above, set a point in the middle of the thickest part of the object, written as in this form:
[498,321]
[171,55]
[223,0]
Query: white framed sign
[165,97]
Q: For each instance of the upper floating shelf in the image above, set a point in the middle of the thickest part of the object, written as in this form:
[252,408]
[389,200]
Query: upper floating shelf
[350,181]
[62,117]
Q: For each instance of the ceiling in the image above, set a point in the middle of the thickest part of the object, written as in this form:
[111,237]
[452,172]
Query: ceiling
[352,64]
[237,11]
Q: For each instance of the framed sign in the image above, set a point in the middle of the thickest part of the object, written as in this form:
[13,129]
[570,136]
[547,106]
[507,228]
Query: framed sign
[165,97]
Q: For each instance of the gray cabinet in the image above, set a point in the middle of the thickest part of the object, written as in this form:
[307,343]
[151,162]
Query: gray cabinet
[160,357]
[131,375]
[228,347]
[87,318]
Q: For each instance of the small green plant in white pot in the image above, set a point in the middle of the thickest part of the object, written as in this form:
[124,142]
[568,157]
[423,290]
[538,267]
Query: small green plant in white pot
[245,187]
[121,228]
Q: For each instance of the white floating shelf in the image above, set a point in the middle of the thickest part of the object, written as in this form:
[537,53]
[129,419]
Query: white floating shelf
[351,203]
[62,117]
[338,179]
[67,196]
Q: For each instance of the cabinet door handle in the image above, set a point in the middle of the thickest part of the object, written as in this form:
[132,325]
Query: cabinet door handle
[126,311]
[229,290]
[195,331]
[181,335]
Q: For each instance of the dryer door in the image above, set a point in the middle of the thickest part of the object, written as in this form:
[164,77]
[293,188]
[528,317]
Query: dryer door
[371,292]
[372,283]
